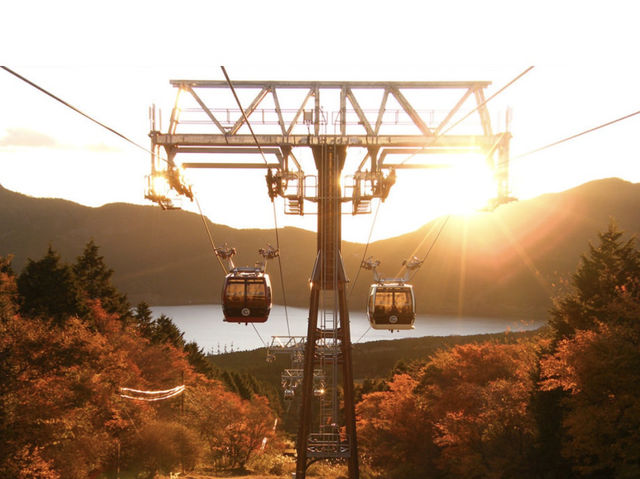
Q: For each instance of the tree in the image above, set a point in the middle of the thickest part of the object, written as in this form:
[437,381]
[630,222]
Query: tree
[232,428]
[478,398]
[94,278]
[166,447]
[601,372]
[594,366]
[164,331]
[143,319]
[199,361]
[8,289]
[48,289]
[392,424]
[610,271]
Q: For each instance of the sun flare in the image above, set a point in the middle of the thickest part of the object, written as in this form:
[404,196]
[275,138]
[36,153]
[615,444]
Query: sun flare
[468,188]
[465,187]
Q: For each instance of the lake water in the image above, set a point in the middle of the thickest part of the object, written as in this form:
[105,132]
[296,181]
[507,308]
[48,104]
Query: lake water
[204,325]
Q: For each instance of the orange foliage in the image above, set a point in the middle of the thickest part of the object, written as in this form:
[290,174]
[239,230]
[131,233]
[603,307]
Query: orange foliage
[466,413]
[601,371]
[391,424]
[232,428]
[478,396]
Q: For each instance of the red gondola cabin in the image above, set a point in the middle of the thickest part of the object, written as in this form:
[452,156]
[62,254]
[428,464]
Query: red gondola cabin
[391,306]
[246,296]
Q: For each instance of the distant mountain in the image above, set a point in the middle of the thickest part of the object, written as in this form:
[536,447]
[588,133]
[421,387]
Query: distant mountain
[505,263]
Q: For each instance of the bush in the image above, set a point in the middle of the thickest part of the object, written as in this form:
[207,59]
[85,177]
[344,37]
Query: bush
[163,446]
[276,464]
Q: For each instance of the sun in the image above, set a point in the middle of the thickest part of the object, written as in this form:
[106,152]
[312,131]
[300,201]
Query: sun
[462,184]
[468,187]
[463,187]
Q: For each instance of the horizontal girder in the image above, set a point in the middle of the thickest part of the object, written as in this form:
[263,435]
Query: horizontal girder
[334,85]
[187,140]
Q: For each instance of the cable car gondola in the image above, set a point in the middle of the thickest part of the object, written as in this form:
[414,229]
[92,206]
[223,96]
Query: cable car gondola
[246,296]
[391,305]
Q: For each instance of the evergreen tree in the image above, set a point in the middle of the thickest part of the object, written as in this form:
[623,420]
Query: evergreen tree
[8,289]
[587,407]
[610,273]
[48,289]
[166,332]
[94,278]
[143,318]
[199,361]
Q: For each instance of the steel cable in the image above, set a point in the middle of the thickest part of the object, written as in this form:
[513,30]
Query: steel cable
[255,139]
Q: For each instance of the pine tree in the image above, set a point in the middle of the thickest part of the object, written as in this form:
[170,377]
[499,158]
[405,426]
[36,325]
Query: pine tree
[589,378]
[8,289]
[48,289]
[166,332]
[608,275]
[94,278]
[198,360]
[143,318]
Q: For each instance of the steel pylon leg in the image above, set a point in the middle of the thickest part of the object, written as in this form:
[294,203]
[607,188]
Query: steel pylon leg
[304,428]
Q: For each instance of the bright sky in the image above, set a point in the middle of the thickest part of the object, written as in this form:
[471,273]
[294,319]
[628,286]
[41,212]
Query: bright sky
[114,62]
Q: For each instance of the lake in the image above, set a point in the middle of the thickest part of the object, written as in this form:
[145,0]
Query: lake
[204,325]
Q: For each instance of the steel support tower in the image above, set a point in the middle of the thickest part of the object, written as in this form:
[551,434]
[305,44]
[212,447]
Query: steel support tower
[214,125]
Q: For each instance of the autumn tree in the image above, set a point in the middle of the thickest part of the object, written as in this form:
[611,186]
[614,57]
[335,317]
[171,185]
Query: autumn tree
[61,412]
[478,395]
[166,447]
[596,361]
[464,414]
[391,424]
[61,392]
[233,428]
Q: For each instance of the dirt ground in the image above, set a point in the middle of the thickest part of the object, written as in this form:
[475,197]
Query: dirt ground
[207,476]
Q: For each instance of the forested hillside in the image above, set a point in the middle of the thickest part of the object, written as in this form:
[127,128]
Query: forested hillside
[90,387]
[505,263]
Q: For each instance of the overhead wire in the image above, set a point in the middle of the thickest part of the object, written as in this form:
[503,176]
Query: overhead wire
[284,295]
[108,128]
[433,243]
[363,334]
[206,227]
[124,137]
[275,220]
[68,105]
[433,140]
[364,255]
[449,128]
[590,130]
[256,330]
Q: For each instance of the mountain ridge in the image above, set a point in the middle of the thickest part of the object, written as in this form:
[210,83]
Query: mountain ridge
[509,262]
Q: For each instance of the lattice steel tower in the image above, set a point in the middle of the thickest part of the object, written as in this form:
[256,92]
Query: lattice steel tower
[330,119]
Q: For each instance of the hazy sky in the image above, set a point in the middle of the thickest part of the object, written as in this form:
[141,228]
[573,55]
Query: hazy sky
[114,60]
